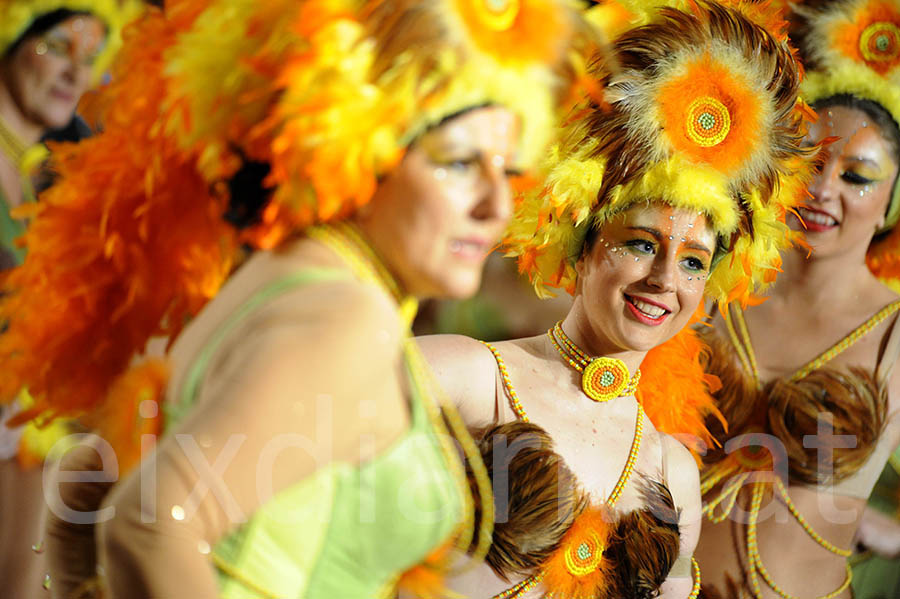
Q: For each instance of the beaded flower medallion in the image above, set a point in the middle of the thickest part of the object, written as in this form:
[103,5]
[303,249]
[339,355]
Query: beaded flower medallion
[606,378]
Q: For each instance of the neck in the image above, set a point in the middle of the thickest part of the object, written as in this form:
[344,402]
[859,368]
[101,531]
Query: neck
[12,117]
[577,327]
[803,279]
[381,243]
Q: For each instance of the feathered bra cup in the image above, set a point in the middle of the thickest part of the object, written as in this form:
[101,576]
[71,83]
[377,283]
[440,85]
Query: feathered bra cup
[540,509]
[790,411]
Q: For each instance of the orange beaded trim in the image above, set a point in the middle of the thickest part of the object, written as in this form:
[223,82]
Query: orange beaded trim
[695,571]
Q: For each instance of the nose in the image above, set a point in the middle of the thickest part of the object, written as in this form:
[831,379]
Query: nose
[662,272]
[822,186]
[495,195]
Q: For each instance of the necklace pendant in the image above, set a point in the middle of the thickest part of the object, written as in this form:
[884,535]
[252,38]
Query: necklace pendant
[605,378]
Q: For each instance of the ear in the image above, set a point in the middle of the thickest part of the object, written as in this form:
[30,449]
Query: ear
[579,265]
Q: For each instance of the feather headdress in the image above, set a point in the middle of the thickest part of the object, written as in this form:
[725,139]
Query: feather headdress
[16,16]
[130,243]
[703,115]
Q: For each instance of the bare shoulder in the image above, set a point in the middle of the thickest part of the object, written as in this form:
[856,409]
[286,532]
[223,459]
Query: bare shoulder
[683,479]
[466,371]
[302,332]
[343,318]
[681,467]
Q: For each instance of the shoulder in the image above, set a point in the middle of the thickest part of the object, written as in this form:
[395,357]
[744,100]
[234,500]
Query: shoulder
[341,318]
[467,372]
[262,321]
[683,479]
[681,467]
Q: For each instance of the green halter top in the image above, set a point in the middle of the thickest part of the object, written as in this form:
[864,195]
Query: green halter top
[349,530]
[10,229]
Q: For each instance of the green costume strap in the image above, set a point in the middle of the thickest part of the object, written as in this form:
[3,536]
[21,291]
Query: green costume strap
[348,530]
[10,229]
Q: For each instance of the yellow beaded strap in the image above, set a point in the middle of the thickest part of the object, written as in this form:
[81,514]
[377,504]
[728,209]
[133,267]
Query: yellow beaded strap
[602,378]
[729,494]
[756,566]
[349,244]
[424,379]
[10,144]
[745,352]
[507,384]
[346,241]
[742,344]
[233,573]
[529,583]
[847,341]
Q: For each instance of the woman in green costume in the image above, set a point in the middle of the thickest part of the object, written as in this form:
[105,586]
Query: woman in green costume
[368,146]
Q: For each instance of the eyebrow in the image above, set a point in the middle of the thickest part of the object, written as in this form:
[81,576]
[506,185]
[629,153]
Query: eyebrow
[694,245]
[868,161]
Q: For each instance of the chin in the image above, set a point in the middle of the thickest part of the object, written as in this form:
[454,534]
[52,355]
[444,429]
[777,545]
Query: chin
[637,337]
[58,117]
[460,285]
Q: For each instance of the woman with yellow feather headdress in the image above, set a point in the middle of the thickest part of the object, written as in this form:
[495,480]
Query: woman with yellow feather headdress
[369,146]
[670,184]
[50,53]
[812,402]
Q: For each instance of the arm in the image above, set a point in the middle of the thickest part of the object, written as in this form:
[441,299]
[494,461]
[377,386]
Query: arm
[297,370]
[466,371]
[683,479]
[70,546]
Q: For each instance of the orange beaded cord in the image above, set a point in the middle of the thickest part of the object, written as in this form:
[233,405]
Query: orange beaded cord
[529,583]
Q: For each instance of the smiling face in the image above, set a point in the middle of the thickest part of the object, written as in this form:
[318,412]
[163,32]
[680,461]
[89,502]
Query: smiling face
[47,74]
[851,192]
[644,276]
[435,218]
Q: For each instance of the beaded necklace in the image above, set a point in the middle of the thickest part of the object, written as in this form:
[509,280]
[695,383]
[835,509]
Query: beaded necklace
[602,378]
[532,581]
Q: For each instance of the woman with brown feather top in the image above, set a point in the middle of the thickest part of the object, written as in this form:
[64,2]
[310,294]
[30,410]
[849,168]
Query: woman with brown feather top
[813,410]
[640,216]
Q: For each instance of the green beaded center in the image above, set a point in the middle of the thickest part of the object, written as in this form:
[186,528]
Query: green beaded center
[882,42]
[497,6]
[583,551]
[707,121]
[607,378]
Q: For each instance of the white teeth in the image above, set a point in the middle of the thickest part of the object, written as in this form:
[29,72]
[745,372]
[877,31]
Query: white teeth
[817,218]
[460,246]
[648,309]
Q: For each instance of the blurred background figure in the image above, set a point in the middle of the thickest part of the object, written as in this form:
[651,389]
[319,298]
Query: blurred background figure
[51,52]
